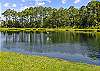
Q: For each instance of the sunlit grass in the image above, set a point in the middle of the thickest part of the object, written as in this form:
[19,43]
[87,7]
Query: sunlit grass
[48,29]
[10,61]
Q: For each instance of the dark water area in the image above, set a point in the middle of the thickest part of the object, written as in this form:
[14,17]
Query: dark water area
[71,46]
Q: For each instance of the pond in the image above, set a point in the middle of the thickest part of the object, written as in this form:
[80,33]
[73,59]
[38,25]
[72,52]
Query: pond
[71,46]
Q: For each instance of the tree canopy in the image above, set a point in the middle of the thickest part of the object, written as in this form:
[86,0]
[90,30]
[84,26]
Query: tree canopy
[47,17]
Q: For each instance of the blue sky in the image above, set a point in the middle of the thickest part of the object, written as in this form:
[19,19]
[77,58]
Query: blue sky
[19,5]
[22,4]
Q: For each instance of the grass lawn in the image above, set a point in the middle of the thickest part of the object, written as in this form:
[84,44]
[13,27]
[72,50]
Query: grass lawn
[10,61]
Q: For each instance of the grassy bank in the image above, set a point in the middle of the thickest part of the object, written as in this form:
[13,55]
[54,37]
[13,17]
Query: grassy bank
[48,29]
[10,61]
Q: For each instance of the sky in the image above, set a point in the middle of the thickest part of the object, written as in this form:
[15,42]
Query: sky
[20,5]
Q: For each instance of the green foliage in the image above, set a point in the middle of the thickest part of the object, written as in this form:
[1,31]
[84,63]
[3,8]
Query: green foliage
[47,17]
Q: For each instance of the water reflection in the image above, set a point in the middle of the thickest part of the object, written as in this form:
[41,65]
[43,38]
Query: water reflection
[84,47]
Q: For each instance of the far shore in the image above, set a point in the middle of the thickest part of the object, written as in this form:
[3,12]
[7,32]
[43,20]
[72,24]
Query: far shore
[47,29]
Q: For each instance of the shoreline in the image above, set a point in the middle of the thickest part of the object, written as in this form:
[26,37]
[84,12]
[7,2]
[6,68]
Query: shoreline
[47,30]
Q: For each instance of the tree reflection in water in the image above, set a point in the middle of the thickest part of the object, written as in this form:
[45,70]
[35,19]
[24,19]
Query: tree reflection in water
[85,44]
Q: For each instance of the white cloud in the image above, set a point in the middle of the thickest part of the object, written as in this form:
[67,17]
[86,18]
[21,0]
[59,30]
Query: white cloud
[6,5]
[40,3]
[23,0]
[2,18]
[0,9]
[49,1]
[76,1]
[64,1]
[23,8]
[37,3]
[14,5]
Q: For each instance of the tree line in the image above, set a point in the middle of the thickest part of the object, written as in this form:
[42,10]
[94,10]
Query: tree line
[47,17]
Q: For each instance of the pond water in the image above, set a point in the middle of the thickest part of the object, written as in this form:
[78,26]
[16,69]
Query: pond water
[72,46]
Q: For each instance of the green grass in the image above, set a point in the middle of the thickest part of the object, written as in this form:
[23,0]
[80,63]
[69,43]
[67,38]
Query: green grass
[10,61]
[48,29]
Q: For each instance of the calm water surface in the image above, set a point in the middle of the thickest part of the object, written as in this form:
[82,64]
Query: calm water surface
[79,47]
